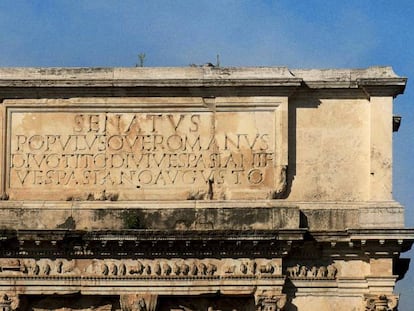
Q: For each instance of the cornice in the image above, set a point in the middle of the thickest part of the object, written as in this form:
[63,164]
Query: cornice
[192,81]
[198,243]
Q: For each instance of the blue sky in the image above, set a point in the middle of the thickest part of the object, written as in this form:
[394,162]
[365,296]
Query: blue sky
[293,33]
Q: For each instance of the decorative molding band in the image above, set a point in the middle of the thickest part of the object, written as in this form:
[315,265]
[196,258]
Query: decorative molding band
[314,272]
[141,268]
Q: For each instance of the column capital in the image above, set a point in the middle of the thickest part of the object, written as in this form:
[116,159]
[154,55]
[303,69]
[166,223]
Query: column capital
[138,302]
[8,301]
[268,300]
[375,302]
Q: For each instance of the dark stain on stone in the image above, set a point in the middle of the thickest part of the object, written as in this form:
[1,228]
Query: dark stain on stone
[132,219]
[100,214]
[68,224]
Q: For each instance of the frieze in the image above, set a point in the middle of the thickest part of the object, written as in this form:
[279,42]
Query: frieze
[223,268]
[46,267]
[313,272]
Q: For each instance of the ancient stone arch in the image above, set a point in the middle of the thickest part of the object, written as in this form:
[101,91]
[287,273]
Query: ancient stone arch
[200,188]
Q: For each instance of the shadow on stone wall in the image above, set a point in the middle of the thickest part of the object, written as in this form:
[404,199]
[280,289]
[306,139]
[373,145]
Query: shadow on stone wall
[69,303]
[206,302]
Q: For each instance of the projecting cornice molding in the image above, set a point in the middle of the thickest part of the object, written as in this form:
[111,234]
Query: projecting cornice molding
[205,243]
[192,81]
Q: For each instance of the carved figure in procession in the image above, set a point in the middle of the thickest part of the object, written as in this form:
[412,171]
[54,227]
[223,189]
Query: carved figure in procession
[321,272]
[166,269]
[332,270]
[202,268]
[138,268]
[293,271]
[185,268]
[243,268]
[157,268]
[211,268]
[193,269]
[303,271]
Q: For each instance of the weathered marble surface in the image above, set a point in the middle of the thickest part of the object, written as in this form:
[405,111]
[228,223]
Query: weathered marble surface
[146,149]
[301,137]
[199,188]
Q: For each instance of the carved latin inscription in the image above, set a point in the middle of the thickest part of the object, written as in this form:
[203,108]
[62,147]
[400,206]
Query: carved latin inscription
[199,155]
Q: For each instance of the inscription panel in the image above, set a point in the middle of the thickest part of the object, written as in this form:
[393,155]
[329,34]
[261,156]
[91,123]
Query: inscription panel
[73,153]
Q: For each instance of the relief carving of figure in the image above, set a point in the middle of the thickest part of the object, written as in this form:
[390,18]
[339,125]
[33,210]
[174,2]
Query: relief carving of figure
[97,267]
[30,267]
[267,268]
[313,272]
[252,267]
[122,269]
[211,269]
[58,266]
[293,271]
[138,268]
[104,269]
[147,269]
[113,268]
[69,266]
[44,267]
[303,271]
[332,271]
[193,269]
[185,268]
[157,268]
[166,269]
[202,268]
[243,268]
[176,269]
[321,272]
[277,268]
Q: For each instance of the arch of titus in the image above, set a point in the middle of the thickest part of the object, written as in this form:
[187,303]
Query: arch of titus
[199,188]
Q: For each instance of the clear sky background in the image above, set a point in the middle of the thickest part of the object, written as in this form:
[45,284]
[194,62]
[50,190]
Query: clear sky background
[297,34]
